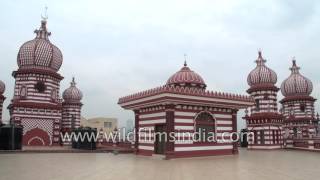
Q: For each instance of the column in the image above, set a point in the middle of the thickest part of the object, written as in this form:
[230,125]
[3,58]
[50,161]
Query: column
[136,128]
[169,129]
[234,129]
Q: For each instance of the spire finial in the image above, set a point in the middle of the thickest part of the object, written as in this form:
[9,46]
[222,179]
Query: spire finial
[294,68]
[294,61]
[42,33]
[260,61]
[45,17]
[73,82]
[260,53]
[185,60]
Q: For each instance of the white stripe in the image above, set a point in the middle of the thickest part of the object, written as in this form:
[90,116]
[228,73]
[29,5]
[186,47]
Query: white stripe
[153,121]
[197,148]
[183,120]
[224,122]
[146,147]
[222,116]
[183,127]
[152,115]
[179,113]
[183,142]
[224,128]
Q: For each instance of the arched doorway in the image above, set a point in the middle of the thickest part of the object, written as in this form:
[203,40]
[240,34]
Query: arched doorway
[36,137]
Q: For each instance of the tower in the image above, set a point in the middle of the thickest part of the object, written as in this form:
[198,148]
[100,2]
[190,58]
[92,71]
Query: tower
[36,104]
[298,106]
[264,121]
[2,98]
[71,107]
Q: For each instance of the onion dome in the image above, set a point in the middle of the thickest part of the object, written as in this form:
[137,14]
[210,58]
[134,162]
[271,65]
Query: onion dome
[2,87]
[261,75]
[296,84]
[40,53]
[72,94]
[186,77]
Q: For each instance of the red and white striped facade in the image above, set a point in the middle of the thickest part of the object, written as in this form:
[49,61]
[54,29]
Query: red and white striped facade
[2,98]
[300,122]
[296,125]
[176,106]
[36,102]
[71,111]
[264,121]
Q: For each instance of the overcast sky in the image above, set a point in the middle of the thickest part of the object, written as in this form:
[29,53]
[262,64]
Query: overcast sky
[115,48]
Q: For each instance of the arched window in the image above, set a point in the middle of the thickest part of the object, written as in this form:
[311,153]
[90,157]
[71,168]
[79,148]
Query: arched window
[302,107]
[23,91]
[205,127]
[54,94]
[257,102]
[295,132]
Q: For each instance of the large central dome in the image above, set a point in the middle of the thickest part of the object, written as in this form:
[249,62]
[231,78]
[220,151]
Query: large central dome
[261,75]
[186,77]
[40,53]
[296,84]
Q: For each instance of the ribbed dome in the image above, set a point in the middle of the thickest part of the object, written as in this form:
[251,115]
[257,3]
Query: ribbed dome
[261,74]
[2,87]
[186,77]
[296,84]
[40,52]
[72,94]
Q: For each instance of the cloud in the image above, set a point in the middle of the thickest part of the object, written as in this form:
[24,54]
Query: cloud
[115,48]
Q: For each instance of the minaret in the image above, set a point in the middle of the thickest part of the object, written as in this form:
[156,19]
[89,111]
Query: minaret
[36,104]
[71,106]
[264,122]
[2,98]
[298,106]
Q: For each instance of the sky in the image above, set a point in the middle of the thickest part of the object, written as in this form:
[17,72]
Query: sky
[116,48]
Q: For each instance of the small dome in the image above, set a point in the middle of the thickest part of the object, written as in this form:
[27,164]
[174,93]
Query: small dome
[296,84]
[72,94]
[186,77]
[2,87]
[40,52]
[261,74]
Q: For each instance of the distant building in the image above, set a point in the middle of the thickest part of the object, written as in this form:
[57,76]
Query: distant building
[129,126]
[104,124]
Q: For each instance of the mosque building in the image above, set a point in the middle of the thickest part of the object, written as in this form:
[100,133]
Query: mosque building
[300,121]
[295,125]
[184,105]
[264,121]
[36,104]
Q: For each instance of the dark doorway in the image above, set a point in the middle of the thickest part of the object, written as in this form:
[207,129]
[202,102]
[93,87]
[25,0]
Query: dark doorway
[160,141]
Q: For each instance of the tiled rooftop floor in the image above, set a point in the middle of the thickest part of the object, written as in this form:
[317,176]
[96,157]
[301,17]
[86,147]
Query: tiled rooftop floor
[255,165]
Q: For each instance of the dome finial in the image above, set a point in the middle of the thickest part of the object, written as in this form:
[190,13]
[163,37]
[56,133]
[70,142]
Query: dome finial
[42,33]
[73,82]
[259,53]
[185,60]
[260,61]
[45,17]
[294,68]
